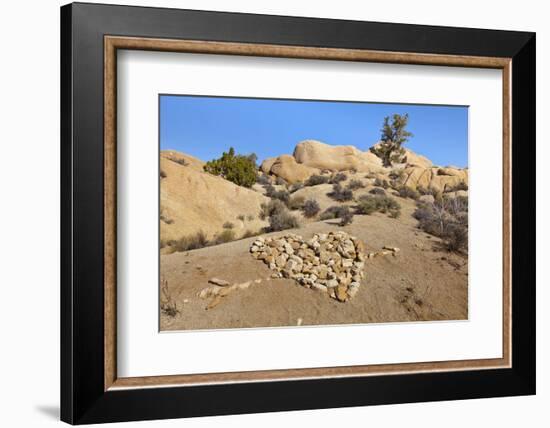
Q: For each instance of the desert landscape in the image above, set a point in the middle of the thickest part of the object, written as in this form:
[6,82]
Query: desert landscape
[329,234]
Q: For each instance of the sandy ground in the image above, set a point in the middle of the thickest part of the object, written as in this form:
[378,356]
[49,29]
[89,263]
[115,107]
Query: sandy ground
[423,282]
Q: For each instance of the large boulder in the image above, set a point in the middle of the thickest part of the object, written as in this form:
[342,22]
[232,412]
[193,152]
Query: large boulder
[412,158]
[416,176]
[267,164]
[323,156]
[286,167]
[453,172]
[192,200]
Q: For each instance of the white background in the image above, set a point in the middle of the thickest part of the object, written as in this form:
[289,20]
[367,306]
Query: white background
[142,351]
[29,230]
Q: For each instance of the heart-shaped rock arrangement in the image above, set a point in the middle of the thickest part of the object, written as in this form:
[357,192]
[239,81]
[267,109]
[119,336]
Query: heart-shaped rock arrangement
[329,262]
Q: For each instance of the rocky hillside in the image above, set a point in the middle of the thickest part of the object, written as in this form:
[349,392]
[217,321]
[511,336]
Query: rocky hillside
[192,200]
[312,157]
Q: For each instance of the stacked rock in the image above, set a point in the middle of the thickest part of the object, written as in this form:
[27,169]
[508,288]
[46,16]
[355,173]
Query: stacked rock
[329,262]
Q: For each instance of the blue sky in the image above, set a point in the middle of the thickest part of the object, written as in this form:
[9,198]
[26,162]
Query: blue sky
[204,127]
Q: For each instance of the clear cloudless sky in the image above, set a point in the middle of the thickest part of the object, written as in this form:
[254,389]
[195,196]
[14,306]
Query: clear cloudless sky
[205,127]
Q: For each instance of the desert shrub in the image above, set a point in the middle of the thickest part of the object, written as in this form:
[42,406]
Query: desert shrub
[272,192]
[311,208]
[238,169]
[281,195]
[456,237]
[165,218]
[296,202]
[278,216]
[341,212]
[407,192]
[460,186]
[377,191]
[190,242]
[240,217]
[382,183]
[167,304]
[296,186]
[369,204]
[446,218]
[282,220]
[280,181]
[162,174]
[181,161]
[338,178]
[227,235]
[340,194]
[269,189]
[427,191]
[355,184]
[314,180]
[270,208]
[335,211]
[249,233]
[250,217]
[346,217]
[228,225]
[370,175]
[262,179]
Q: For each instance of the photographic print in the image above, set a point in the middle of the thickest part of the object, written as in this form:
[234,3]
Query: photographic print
[286,213]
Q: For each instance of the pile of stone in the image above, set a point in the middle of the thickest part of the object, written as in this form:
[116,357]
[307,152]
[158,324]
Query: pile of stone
[329,262]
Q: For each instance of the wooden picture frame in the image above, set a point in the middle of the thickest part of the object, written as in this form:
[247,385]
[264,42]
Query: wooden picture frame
[91,390]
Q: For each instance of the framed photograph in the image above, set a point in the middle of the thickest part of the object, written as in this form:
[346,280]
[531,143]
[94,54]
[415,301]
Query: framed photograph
[265,213]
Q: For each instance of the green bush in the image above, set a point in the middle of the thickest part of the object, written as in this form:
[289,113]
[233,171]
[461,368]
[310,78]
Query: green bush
[311,208]
[238,169]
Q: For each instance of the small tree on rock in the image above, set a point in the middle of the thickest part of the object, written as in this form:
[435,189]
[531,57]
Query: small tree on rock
[394,135]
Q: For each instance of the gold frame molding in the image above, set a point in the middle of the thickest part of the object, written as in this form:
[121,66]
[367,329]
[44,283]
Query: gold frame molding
[113,43]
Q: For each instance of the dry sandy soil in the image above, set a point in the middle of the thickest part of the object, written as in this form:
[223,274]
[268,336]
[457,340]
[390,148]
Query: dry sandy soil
[422,282]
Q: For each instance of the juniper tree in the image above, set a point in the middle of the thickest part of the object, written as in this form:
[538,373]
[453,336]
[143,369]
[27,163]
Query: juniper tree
[239,169]
[394,135]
